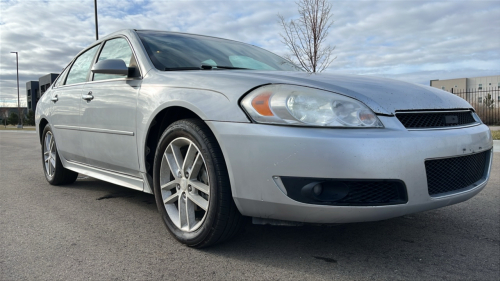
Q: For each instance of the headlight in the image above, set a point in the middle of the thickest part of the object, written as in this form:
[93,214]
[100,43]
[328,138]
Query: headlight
[303,106]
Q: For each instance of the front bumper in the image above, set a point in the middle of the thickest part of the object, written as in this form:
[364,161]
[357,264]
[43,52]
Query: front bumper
[256,153]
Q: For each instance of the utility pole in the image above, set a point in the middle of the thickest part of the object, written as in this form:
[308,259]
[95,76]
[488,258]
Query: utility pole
[95,13]
[20,118]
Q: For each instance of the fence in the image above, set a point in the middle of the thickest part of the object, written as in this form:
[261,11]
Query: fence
[486,102]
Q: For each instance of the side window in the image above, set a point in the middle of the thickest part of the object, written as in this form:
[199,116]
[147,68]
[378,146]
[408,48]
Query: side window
[81,67]
[60,79]
[114,49]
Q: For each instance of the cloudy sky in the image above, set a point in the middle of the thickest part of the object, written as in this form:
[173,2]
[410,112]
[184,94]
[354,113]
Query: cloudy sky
[413,41]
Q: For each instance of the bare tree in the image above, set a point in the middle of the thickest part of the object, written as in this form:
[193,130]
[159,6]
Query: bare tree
[4,115]
[4,112]
[305,36]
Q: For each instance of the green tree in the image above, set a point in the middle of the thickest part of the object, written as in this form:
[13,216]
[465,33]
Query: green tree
[30,118]
[13,119]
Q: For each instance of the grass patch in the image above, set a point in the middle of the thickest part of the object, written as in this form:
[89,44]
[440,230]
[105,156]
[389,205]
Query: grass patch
[496,135]
[13,128]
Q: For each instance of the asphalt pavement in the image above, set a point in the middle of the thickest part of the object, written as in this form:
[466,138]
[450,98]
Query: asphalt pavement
[93,230]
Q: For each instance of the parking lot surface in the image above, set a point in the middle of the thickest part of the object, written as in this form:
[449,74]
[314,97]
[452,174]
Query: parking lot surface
[96,230]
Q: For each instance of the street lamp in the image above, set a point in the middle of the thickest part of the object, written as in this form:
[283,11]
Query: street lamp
[20,118]
[95,14]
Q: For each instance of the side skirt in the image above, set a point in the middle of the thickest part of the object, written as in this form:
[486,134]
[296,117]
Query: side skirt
[105,175]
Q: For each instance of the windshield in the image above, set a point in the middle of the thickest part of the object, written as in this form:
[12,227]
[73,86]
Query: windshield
[171,51]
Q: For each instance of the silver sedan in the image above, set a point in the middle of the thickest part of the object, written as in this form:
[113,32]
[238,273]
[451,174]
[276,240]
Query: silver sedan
[220,131]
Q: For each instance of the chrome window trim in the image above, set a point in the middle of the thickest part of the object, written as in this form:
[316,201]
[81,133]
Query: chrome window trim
[76,84]
[107,80]
[116,79]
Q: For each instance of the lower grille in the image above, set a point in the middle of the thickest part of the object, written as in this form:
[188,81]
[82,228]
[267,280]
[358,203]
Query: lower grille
[435,119]
[346,192]
[453,174]
[371,192]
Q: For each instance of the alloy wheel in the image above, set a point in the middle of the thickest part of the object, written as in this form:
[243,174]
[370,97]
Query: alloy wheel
[185,186]
[49,154]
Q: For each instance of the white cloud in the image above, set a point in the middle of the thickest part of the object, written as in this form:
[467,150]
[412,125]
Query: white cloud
[409,40]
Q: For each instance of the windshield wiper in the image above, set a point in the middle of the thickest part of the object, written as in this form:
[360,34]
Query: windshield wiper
[230,67]
[203,67]
[181,68]
[207,67]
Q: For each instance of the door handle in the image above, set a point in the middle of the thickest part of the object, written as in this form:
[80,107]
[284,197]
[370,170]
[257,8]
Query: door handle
[88,97]
[54,98]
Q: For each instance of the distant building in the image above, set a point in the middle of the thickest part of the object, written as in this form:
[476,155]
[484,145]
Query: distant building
[482,93]
[32,94]
[46,81]
[476,83]
[36,89]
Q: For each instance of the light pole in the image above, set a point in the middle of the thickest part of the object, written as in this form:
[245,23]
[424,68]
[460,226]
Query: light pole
[20,118]
[95,13]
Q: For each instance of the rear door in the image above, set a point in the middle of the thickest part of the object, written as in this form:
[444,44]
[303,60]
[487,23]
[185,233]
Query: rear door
[66,99]
[108,113]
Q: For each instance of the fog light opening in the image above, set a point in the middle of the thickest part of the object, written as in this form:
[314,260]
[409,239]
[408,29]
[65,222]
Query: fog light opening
[326,191]
[318,189]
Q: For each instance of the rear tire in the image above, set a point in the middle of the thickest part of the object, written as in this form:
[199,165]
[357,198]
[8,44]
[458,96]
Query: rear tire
[191,186]
[53,169]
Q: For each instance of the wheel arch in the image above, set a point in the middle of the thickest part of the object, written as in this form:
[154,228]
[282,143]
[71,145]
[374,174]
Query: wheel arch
[41,126]
[157,126]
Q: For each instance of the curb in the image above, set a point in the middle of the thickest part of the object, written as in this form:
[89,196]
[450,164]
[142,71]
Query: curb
[496,145]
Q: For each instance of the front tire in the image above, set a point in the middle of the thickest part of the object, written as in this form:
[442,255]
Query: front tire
[191,186]
[53,169]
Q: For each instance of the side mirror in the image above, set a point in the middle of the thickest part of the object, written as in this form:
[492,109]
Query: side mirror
[111,66]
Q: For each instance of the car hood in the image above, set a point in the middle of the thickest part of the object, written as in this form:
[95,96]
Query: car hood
[382,95]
